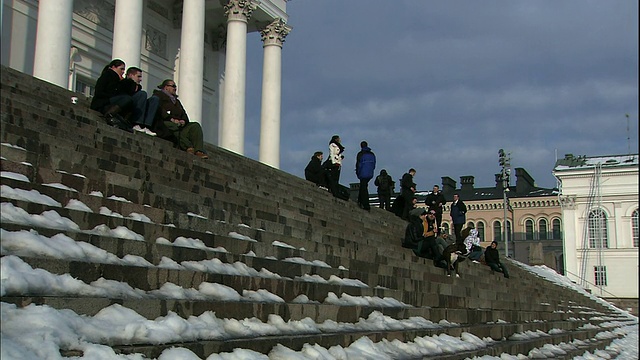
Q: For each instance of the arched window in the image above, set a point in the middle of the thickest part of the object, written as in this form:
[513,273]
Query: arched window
[598,229]
[509,232]
[497,231]
[481,230]
[557,231]
[528,229]
[634,227]
[542,229]
[471,225]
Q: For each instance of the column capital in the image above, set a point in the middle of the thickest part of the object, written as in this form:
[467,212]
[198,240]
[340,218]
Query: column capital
[239,10]
[275,32]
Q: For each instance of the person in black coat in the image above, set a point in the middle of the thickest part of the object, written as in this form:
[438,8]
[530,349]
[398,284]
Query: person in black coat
[435,201]
[458,217]
[385,185]
[315,172]
[492,258]
[107,100]
[144,110]
[407,190]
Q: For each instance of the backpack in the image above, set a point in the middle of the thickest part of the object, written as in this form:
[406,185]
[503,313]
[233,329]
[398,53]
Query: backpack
[383,182]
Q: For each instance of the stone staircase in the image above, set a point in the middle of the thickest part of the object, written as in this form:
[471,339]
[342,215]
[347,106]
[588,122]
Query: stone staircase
[156,215]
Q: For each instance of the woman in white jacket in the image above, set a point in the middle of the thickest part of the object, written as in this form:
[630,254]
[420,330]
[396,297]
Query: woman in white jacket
[334,164]
[472,243]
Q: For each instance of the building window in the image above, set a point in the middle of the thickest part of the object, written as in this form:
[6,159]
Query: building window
[598,229]
[470,225]
[542,229]
[84,87]
[634,227]
[557,232]
[509,232]
[481,230]
[600,273]
[497,231]
[528,230]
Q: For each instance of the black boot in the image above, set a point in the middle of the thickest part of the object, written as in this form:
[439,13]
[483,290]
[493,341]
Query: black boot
[112,117]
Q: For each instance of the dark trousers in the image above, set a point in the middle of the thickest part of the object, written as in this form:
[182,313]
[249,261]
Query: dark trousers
[333,177]
[363,194]
[498,267]
[144,111]
[457,228]
[408,203]
[125,102]
[189,135]
[385,201]
[438,220]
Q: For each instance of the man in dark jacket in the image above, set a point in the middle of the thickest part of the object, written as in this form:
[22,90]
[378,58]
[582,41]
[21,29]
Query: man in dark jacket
[365,166]
[420,236]
[458,217]
[435,202]
[144,111]
[407,189]
[315,172]
[385,185]
[492,258]
[170,111]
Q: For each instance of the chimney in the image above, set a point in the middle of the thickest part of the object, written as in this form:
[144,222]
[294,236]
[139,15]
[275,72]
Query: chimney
[524,181]
[448,187]
[499,186]
[466,183]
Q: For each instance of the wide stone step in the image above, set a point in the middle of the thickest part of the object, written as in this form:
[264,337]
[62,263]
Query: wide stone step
[277,217]
[153,252]
[266,343]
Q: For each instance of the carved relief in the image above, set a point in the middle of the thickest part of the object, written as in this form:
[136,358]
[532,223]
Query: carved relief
[239,9]
[568,201]
[219,38]
[155,42]
[99,12]
[275,33]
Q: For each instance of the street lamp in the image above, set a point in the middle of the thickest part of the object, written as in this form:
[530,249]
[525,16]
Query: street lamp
[503,161]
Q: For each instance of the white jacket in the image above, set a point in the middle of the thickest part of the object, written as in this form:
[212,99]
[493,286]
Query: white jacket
[471,240]
[334,154]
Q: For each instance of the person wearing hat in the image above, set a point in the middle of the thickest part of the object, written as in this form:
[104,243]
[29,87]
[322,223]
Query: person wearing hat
[492,258]
[188,135]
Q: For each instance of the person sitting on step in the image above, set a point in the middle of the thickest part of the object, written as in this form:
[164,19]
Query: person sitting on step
[144,110]
[492,258]
[188,135]
[108,101]
[472,246]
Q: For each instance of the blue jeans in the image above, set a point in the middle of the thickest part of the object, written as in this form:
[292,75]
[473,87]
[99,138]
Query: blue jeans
[144,110]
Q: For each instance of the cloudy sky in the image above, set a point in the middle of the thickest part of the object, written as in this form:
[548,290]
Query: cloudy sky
[442,85]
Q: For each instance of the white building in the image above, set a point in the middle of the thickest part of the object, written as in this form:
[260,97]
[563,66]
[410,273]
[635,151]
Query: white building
[599,199]
[201,44]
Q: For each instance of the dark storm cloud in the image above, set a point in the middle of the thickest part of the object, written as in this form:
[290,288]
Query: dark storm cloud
[441,86]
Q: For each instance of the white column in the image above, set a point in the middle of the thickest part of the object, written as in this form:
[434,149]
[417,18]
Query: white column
[190,78]
[127,32]
[273,37]
[53,41]
[238,13]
